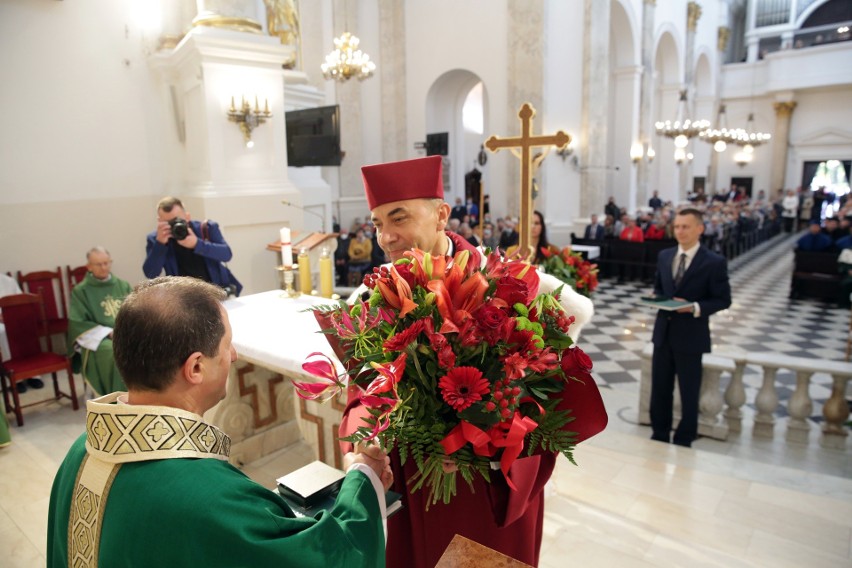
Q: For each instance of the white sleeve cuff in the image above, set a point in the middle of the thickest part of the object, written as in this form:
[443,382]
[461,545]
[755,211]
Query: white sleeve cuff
[696,310]
[379,489]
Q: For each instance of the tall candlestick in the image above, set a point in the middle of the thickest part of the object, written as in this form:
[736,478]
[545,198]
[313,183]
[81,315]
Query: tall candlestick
[326,274]
[286,247]
[304,271]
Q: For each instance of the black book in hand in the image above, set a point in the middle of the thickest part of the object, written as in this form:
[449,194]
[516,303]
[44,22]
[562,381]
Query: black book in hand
[314,488]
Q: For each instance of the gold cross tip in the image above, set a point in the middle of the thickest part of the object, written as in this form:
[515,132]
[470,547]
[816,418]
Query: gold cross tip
[526,140]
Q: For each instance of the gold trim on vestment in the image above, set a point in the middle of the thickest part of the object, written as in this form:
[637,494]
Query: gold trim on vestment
[91,489]
[121,433]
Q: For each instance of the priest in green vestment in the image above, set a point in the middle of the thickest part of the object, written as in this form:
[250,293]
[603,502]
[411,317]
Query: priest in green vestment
[91,317]
[149,483]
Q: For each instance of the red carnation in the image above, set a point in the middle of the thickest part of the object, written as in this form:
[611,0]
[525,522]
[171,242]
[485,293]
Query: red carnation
[463,386]
[575,363]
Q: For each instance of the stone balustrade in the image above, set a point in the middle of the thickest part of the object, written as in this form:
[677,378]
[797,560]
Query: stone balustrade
[721,413]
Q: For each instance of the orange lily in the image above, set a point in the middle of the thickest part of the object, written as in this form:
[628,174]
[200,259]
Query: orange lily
[400,298]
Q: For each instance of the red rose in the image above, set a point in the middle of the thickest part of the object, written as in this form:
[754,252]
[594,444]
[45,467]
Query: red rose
[575,363]
[492,323]
[512,290]
[404,270]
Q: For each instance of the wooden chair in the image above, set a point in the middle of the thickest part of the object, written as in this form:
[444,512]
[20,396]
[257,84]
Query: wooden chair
[48,285]
[75,275]
[23,316]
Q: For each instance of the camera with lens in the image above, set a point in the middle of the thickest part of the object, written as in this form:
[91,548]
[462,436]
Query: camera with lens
[180,228]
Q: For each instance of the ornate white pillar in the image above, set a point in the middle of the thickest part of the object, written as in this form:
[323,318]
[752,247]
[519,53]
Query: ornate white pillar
[646,96]
[693,14]
[526,80]
[722,36]
[216,173]
[780,140]
[593,135]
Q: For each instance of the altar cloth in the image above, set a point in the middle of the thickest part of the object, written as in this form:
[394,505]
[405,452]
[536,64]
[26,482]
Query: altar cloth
[277,333]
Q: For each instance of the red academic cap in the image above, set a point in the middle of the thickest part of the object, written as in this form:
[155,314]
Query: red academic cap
[408,179]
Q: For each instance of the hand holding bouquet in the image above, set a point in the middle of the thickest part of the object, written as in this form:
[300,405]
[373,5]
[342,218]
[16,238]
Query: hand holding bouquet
[459,366]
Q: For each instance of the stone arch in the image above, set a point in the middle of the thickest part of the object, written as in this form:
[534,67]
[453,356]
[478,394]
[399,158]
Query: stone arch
[445,101]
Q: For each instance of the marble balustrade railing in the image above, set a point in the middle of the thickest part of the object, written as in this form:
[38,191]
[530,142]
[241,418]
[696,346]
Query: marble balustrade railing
[721,412]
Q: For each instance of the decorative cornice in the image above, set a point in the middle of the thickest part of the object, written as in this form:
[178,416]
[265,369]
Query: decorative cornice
[784,108]
[693,14]
[723,36]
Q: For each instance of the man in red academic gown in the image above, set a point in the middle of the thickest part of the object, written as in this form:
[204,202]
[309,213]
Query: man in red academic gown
[406,200]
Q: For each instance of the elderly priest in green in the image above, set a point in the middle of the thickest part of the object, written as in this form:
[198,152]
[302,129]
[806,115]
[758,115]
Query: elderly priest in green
[149,483]
[91,317]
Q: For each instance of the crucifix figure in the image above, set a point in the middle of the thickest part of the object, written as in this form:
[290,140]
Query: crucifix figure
[526,141]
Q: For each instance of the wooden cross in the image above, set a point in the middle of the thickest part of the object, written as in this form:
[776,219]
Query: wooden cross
[526,141]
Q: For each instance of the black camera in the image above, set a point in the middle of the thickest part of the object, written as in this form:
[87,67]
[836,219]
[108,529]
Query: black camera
[180,228]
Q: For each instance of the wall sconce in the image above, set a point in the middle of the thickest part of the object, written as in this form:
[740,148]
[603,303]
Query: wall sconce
[679,155]
[651,154]
[636,152]
[248,119]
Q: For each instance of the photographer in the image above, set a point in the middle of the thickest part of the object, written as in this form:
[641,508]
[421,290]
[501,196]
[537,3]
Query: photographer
[184,247]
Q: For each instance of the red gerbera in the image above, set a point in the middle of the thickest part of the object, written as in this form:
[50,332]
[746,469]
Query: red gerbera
[463,386]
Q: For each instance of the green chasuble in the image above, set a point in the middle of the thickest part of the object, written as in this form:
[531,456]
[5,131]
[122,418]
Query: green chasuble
[95,302]
[170,498]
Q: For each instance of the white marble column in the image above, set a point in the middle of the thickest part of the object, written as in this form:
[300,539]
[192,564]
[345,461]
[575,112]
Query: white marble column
[217,175]
[526,81]
[693,14]
[780,140]
[646,96]
[391,72]
[722,36]
[593,136]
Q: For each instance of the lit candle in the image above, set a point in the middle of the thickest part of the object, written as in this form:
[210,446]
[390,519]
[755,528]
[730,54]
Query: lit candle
[304,271]
[286,247]
[326,274]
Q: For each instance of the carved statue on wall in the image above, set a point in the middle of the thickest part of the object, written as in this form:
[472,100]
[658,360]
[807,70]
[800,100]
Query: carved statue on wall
[282,21]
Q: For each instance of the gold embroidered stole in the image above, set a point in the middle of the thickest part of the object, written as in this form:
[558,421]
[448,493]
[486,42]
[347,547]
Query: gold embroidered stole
[122,433]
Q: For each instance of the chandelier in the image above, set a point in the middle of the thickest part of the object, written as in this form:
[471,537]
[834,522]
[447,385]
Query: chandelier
[347,61]
[748,138]
[722,136]
[682,129]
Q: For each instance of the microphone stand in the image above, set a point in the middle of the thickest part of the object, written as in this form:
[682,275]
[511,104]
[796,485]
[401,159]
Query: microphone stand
[321,217]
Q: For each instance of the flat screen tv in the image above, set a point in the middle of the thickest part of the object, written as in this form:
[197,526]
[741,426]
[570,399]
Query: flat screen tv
[438,144]
[313,136]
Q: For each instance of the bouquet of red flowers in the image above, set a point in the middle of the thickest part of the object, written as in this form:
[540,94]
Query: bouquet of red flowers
[571,268]
[455,363]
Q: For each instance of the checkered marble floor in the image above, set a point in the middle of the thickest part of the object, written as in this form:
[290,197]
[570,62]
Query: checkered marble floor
[761,318]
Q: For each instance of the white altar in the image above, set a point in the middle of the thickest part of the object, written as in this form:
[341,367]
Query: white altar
[273,336]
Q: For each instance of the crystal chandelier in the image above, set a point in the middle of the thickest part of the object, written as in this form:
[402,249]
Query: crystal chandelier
[682,129]
[347,61]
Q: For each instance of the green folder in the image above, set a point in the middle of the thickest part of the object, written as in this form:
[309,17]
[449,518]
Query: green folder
[664,303]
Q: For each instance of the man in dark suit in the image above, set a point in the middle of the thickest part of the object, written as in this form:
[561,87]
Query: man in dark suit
[594,230]
[693,273]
